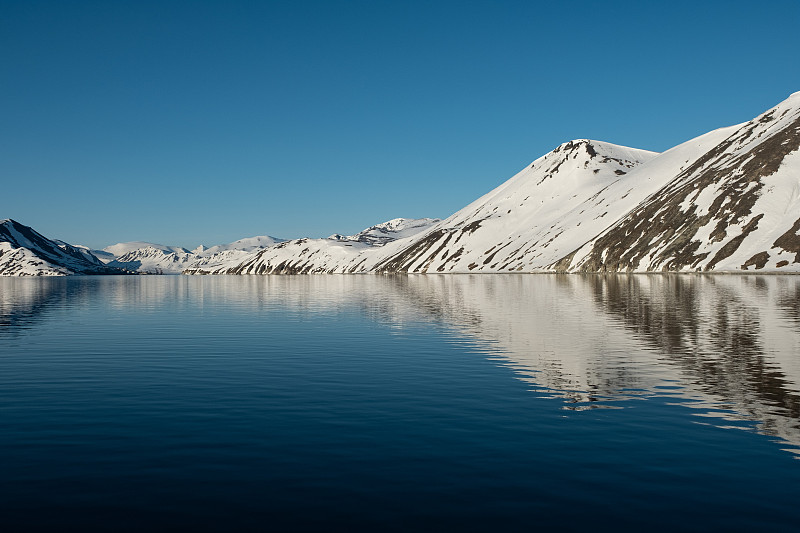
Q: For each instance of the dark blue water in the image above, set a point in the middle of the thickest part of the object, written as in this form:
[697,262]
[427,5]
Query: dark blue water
[372,403]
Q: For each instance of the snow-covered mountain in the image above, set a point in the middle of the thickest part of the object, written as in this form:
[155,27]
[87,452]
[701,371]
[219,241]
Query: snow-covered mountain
[152,258]
[728,200]
[547,210]
[123,248]
[25,252]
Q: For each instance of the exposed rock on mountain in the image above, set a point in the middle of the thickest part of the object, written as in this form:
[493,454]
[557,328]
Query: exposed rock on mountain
[25,252]
[735,208]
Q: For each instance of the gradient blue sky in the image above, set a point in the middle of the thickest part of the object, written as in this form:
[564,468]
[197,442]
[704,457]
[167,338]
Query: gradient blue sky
[203,122]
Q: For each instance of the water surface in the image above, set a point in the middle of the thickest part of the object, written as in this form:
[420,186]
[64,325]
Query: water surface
[473,403]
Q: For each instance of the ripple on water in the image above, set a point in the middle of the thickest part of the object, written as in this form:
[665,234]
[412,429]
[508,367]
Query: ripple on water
[395,402]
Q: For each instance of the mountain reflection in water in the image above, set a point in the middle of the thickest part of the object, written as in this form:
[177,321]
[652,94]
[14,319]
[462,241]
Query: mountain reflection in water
[725,346]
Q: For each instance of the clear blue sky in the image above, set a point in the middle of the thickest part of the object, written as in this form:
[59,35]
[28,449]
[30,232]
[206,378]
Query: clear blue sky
[203,122]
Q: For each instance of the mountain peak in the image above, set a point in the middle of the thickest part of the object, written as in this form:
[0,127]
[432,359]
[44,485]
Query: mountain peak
[601,148]
[574,143]
[578,145]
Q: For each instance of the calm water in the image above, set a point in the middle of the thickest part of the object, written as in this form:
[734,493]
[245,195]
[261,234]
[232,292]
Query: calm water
[371,403]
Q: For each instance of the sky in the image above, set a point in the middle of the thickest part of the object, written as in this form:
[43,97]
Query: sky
[199,122]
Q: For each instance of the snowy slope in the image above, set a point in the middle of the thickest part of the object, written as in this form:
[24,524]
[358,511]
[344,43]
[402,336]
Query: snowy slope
[25,252]
[735,208]
[77,249]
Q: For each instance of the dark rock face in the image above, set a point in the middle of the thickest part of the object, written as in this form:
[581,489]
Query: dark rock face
[758,260]
[790,241]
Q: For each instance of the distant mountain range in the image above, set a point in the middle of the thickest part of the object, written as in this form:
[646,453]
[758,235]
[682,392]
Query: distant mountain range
[727,201]
[24,252]
[152,258]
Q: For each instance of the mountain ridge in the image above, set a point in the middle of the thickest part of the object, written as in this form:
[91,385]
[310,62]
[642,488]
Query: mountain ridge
[725,201]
